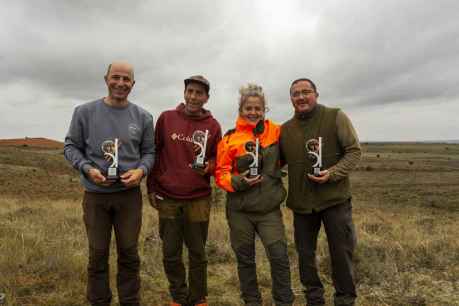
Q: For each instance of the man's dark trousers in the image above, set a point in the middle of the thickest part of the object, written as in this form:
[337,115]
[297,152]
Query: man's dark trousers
[185,221]
[341,238]
[121,211]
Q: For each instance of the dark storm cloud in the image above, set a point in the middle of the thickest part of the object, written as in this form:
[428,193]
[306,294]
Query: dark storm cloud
[392,51]
[66,45]
[361,54]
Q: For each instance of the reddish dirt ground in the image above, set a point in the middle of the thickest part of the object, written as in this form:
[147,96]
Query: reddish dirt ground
[39,142]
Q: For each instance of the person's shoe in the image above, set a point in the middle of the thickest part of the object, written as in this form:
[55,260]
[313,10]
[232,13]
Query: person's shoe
[201,303]
[175,304]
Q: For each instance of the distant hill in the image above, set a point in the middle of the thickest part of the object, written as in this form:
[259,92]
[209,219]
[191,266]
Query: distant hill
[39,142]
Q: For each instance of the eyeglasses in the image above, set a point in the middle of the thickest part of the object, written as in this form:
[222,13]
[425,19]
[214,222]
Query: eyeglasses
[304,93]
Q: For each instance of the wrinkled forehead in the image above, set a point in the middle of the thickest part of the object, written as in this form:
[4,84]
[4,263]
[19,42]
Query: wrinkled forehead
[120,68]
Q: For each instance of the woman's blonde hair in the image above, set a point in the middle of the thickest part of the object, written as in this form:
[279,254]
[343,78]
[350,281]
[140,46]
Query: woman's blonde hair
[251,90]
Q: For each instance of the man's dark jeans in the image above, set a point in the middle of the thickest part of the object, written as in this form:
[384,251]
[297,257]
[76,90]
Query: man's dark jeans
[341,238]
[121,211]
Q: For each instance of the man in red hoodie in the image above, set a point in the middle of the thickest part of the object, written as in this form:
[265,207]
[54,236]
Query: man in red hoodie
[181,192]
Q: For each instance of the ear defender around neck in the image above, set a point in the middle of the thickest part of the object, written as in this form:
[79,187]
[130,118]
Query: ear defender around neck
[259,128]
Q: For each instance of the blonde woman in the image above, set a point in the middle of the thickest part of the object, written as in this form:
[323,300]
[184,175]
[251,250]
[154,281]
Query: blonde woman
[248,169]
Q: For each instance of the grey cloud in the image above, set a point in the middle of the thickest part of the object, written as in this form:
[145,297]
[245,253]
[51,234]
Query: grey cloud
[361,54]
[66,45]
[402,47]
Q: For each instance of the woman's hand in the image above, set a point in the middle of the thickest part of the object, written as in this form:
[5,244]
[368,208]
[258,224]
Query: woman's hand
[252,180]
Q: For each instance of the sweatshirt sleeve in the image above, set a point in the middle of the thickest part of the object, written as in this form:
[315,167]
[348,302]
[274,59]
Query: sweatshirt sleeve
[147,147]
[74,144]
[349,141]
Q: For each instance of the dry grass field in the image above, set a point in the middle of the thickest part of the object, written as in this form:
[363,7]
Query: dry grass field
[406,210]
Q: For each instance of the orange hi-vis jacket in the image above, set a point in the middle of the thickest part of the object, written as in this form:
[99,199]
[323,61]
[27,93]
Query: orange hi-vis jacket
[232,147]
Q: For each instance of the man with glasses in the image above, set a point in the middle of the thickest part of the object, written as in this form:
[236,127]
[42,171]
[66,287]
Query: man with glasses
[324,138]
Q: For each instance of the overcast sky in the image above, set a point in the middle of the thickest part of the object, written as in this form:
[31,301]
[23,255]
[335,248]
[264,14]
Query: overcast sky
[392,66]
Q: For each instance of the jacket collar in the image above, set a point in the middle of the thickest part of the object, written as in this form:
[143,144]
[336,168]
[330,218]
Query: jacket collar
[248,126]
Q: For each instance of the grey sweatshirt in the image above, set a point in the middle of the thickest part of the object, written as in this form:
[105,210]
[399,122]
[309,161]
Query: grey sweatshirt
[96,123]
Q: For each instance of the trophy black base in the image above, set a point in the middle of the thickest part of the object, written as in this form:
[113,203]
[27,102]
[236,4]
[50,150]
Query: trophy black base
[196,165]
[112,175]
[316,171]
[253,172]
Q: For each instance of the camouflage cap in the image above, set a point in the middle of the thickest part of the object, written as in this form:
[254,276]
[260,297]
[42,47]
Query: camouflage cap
[198,79]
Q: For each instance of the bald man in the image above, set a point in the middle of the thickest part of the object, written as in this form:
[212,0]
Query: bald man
[111,143]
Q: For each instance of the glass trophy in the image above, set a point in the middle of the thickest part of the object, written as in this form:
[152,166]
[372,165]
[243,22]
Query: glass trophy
[200,139]
[110,149]
[314,153]
[252,149]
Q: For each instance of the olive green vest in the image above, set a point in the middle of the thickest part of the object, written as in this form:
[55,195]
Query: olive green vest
[305,196]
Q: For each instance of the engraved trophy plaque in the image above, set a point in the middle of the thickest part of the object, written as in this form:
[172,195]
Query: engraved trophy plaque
[200,139]
[252,149]
[314,153]
[110,149]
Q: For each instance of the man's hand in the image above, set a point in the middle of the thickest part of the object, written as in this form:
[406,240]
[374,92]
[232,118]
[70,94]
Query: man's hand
[323,177]
[96,176]
[132,177]
[252,180]
[201,171]
[152,200]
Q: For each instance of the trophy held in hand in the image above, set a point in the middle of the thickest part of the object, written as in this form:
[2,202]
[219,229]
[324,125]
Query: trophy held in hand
[314,154]
[200,140]
[110,149]
[252,149]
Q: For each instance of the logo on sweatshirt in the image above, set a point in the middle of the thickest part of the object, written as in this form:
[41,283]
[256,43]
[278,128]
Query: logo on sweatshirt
[133,129]
[181,137]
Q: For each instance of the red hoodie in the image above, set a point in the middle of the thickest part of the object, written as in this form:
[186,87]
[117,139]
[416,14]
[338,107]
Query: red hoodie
[171,175]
